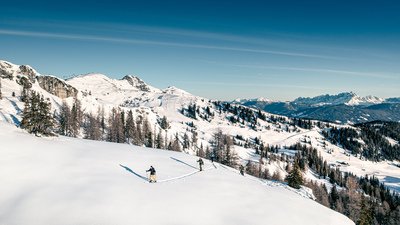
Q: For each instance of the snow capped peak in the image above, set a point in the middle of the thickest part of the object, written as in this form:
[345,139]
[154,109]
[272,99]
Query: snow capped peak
[347,98]
[137,83]
[172,90]
[9,70]
[261,99]
[133,78]
[244,100]
[5,64]
[326,99]
[367,100]
[90,76]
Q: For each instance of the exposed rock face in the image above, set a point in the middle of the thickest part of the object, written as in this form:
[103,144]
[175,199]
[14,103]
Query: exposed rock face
[9,71]
[137,82]
[23,81]
[5,70]
[57,87]
[28,71]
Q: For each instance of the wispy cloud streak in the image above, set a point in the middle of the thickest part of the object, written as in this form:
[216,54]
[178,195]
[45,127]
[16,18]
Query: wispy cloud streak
[323,70]
[261,85]
[147,42]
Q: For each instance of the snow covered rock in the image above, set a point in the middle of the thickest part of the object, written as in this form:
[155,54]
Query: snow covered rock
[137,83]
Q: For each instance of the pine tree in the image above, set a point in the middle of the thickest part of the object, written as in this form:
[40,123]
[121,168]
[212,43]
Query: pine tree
[46,118]
[295,178]
[130,127]
[64,120]
[164,123]
[37,117]
[230,157]
[24,94]
[138,138]
[159,142]
[175,146]
[115,127]
[333,197]
[186,143]
[366,216]
[201,152]
[92,127]
[102,119]
[148,134]
[121,127]
[76,117]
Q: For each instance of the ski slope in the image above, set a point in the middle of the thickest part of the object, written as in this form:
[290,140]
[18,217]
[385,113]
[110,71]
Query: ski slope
[60,180]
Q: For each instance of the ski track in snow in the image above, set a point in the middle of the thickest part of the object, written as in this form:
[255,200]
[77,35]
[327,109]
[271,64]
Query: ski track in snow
[183,176]
[271,183]
[291,136]
[146,180]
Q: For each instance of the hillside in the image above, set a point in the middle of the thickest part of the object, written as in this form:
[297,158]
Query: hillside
[343,108]
[72,181]
[127,110]
[192,117]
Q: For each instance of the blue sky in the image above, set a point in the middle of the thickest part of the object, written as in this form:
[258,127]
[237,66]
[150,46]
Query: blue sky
[220,50]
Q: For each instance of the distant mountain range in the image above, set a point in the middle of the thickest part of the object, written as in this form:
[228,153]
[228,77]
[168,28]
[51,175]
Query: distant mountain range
[345,107]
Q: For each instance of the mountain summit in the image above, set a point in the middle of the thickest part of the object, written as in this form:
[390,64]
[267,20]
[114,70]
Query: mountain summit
[347,98]
[346,107]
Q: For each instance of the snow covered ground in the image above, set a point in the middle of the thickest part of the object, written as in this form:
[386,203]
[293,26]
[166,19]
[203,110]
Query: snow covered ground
[385,171]
[131,93]
[61,180]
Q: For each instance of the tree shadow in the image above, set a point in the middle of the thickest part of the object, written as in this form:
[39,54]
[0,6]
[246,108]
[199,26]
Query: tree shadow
[392,182]
[15,120]
[184,163]
[133,172]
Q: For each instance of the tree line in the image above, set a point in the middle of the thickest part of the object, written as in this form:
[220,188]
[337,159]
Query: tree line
[365,200]
[368,140]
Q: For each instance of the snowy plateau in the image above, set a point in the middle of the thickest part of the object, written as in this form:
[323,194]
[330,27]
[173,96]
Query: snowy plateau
[63,180]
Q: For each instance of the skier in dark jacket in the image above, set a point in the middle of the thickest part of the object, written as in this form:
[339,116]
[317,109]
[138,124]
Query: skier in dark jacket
[201,163]
[152,171]
[212,157]
[241,168]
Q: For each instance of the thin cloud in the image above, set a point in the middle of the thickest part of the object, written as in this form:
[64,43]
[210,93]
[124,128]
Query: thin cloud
[252,85]
[146,42]
[278,40]
[344,72]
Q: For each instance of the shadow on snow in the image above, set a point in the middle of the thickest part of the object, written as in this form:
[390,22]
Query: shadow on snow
[133,172]
[184,163]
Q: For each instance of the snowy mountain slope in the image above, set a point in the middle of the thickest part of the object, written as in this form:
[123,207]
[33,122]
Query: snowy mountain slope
[130,93]
[74,181]
[347,98]
[345,107]
[386,171]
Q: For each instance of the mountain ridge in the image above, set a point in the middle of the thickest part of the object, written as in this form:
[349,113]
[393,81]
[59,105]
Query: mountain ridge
[345,107]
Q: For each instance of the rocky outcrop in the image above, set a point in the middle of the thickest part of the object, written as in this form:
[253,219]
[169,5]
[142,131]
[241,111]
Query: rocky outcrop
[24,82]
[137,83]
[29,72]
[9,71]
[57,87]
[5,70]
